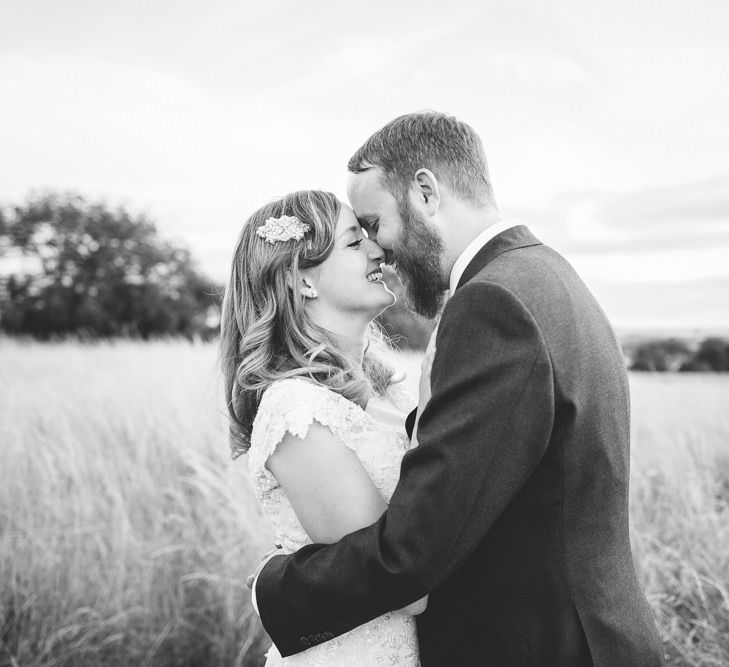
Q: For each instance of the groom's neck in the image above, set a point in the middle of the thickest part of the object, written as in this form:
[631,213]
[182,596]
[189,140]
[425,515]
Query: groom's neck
[463,223]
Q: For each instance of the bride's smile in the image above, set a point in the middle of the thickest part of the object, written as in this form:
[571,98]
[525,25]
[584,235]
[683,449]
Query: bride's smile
[349,286]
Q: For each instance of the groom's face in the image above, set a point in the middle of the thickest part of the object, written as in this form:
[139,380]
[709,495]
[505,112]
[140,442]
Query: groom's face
[375,208]
[408,240]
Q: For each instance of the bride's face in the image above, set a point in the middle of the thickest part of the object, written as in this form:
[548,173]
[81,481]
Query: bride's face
[349,281]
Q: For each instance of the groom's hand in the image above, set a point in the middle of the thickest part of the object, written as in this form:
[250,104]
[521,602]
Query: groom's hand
[276,551]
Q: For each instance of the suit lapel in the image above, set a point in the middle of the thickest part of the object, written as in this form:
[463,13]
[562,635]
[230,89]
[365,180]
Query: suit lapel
[511,239]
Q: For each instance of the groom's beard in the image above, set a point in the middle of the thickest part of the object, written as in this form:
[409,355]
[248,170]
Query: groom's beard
[418,254]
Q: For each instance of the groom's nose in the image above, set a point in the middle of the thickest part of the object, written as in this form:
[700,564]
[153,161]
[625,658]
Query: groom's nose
[389,256]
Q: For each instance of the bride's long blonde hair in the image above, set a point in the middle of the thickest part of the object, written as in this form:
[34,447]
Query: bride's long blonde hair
[265,333]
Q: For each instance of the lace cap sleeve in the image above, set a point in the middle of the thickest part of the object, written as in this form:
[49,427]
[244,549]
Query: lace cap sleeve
[292,405]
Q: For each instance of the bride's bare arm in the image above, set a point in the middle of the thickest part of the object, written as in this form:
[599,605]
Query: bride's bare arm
[326,484]
[328,487]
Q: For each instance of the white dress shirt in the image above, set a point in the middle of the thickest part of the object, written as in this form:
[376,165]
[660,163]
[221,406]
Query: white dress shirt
[472,249]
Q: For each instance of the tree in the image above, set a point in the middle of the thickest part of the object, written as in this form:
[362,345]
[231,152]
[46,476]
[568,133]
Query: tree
[661,355]
[75,267]
[713,354]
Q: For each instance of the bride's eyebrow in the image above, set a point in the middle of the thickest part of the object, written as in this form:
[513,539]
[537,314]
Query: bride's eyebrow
[354,228]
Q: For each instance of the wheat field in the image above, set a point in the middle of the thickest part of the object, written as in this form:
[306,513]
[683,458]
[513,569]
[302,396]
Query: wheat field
[126,532]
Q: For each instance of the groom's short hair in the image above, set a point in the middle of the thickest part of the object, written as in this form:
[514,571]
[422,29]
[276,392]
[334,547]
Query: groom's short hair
[450,148]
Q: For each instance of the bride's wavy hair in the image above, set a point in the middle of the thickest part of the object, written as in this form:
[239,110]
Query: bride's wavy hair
[265,332]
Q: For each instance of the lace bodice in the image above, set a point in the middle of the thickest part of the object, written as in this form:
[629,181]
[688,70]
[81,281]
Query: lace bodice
[377,436]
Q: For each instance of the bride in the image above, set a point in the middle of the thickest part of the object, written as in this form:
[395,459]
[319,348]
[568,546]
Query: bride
[311,401]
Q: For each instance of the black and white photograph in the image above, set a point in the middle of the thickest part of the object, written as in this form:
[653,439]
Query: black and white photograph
[340,334]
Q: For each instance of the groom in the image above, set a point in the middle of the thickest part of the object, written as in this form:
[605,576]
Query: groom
[512,511]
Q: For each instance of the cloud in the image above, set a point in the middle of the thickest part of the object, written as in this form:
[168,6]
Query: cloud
[671,206]
[690,218]
[693,305]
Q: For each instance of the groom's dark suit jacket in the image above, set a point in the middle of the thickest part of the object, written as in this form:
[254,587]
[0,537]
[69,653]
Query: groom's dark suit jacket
[512,512]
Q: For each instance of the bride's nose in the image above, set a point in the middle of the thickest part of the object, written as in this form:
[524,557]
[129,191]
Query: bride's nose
[374,251]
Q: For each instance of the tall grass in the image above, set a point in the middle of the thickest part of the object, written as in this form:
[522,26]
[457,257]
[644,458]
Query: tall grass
[680,510]
[126,532]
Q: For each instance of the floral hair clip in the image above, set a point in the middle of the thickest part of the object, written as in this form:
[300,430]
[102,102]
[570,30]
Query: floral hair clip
[283,229]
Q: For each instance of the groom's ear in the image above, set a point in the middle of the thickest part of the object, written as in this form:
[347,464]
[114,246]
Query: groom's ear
[427,190]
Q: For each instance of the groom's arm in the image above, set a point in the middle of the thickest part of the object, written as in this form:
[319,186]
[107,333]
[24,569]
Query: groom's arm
[481,435]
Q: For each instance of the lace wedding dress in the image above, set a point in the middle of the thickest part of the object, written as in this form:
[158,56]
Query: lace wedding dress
[377,436]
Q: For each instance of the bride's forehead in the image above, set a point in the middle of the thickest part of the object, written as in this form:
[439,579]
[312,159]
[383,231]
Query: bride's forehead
[346,220]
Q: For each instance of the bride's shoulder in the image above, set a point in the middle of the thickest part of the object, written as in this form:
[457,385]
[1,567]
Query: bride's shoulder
[293,405]
[298,400]
[294,391]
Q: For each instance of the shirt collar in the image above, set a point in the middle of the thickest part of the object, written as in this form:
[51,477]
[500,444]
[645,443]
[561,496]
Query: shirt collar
[471,250]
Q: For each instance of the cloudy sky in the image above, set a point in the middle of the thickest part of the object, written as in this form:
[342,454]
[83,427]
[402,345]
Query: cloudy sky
[605,124]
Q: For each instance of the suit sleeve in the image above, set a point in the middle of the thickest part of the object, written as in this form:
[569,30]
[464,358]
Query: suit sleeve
[481,435]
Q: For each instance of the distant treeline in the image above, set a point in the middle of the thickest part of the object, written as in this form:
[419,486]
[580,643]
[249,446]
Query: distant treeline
[74,267]
[673,354]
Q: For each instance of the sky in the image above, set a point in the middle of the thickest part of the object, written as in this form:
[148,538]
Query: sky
[606,125]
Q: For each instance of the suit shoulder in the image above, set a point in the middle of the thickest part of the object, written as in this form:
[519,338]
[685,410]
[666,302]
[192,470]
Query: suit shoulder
[529,267]
[485,303]
[481,290]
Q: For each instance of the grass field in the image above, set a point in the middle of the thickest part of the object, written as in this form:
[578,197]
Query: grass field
[126,532]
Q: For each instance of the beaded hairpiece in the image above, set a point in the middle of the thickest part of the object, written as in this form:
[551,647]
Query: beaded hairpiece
[283,229]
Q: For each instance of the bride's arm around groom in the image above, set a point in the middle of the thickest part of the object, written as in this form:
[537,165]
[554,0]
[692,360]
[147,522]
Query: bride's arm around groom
[328,487]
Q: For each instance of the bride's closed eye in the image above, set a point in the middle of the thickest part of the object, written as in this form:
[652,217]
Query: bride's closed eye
[355,244]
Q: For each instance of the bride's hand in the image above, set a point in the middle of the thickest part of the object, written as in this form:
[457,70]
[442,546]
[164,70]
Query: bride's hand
[277,551]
